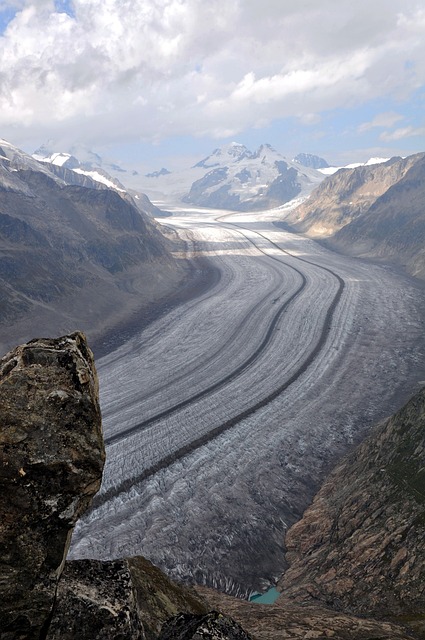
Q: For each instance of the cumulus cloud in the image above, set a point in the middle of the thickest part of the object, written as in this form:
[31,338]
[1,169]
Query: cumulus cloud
[151,68]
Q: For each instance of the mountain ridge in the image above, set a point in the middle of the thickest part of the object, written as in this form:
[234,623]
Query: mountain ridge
[371,211]
[75,253]
[233,177]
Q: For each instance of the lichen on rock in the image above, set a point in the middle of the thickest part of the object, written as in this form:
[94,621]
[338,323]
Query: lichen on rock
[51,461]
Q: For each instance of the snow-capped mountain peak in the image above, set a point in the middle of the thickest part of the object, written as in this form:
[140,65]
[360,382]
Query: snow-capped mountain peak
[92,170]
[229,153]
[57,158]
[239,179]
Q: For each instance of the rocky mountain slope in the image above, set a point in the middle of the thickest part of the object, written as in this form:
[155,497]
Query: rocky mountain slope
[74,255]
[375,211]
[360,547]
[233,177]
[393,228]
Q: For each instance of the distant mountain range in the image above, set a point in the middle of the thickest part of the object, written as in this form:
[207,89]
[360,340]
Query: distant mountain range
[75,254]
[374,210]
[233,177]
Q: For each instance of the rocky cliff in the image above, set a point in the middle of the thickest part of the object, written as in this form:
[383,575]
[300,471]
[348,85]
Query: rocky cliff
[374,211]
[52,457]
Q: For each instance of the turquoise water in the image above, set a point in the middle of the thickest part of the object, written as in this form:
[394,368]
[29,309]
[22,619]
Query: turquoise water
[268,597]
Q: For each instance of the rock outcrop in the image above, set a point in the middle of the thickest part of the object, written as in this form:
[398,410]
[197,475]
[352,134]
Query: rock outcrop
[51,462]
[52,456]
[360,547]
[95,600]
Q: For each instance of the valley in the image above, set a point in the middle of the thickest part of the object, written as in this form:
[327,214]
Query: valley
[222,417]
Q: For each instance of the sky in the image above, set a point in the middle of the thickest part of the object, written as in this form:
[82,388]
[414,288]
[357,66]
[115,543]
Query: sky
[153,83]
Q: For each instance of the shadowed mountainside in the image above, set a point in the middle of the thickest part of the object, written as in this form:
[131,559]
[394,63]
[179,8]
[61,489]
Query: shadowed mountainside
[74,255]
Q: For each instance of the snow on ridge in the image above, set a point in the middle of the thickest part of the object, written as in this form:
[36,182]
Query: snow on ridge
[376,161]
[57,158]
[328,171]
[98,177]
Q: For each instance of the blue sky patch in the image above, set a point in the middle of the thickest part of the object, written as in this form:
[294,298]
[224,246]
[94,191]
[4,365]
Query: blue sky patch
[6,15]
[65,6]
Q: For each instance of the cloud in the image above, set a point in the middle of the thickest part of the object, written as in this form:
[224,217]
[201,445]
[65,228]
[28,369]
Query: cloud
[403,132]
[120,69]
[387,119]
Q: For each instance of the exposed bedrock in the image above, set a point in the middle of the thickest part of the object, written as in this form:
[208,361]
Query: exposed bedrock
[51,462]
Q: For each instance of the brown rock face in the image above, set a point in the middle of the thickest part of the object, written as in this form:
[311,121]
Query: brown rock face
[373,212]
[51,461]
[360,547]
[346,196]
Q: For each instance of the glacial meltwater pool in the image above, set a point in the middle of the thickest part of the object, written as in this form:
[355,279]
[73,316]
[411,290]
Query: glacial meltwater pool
[268,597]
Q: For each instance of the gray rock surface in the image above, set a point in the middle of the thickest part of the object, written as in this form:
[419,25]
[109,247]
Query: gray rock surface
[129,599]
[51,461]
